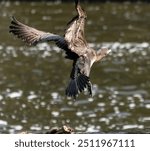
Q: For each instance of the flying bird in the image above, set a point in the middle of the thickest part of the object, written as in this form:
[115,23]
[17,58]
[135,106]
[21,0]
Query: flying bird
[73,43]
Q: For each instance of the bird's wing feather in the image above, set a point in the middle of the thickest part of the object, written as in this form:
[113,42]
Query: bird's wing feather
[33,36]
[75,33]
[79,80]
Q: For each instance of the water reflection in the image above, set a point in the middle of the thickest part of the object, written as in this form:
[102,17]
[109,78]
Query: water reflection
[33,79]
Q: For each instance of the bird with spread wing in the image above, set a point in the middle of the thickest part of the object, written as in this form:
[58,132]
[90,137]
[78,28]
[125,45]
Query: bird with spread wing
[73,43]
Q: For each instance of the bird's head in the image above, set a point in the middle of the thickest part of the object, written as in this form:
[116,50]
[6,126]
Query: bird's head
[103,52]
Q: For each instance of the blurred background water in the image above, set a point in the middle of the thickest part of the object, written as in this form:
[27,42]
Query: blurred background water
[33,79]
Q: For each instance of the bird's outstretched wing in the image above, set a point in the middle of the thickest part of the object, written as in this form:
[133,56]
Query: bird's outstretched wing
[74,34]
[33,36]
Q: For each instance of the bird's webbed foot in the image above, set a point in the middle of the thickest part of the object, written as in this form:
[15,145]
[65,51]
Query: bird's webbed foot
[89,87]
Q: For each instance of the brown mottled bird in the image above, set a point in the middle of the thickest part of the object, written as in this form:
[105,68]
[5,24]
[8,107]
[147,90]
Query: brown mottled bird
[73,43]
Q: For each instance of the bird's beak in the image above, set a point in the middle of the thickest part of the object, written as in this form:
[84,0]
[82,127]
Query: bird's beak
[109,50]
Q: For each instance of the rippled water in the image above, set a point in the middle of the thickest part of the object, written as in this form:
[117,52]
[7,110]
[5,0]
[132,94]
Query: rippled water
[33,79]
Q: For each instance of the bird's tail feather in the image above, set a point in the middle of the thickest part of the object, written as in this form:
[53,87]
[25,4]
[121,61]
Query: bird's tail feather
[77,85]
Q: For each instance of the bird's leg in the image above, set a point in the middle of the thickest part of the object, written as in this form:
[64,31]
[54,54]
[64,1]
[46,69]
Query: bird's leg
[89,86]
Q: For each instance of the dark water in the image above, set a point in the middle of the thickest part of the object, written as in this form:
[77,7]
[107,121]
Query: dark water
[33,79]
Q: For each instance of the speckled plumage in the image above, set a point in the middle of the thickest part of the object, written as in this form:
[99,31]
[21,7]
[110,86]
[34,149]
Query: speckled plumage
[73,43]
